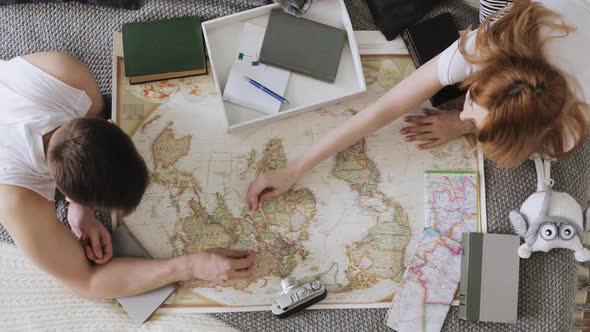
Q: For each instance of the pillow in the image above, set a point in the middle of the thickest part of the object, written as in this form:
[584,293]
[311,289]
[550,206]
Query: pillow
[125,4]
[392,16]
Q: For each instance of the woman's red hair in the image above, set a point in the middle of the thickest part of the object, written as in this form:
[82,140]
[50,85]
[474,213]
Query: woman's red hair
[532,106]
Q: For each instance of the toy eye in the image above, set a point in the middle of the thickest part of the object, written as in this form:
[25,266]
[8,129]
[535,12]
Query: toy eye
[548,231]
[566,232]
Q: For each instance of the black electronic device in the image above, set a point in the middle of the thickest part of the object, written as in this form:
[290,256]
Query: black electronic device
[425,41]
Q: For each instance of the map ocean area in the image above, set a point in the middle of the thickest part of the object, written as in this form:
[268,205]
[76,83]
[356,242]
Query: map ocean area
[351,222]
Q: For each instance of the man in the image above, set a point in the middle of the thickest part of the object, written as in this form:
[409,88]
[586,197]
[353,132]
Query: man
[51,138]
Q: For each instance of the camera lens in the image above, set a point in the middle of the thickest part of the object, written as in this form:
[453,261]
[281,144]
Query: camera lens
[288,284]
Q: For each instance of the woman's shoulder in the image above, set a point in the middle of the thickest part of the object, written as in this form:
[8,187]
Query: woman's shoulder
[568,53]
[452,65]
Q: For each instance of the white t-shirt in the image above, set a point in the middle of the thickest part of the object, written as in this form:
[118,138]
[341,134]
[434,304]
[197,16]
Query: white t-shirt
[569,54]
[33,103]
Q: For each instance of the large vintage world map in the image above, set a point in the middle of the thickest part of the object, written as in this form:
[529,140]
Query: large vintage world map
[352,222]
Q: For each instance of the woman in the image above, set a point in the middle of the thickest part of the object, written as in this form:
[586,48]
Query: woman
[521,72]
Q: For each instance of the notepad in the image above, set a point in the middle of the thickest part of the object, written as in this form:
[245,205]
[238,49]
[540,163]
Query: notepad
[238,90]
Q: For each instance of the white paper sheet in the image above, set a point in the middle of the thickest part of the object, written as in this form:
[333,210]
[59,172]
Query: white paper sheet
[238,90]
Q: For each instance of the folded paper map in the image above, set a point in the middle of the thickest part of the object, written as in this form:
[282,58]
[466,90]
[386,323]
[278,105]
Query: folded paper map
[431,279]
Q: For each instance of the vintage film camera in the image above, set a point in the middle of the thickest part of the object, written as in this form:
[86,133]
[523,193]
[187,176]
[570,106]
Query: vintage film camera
[295,298]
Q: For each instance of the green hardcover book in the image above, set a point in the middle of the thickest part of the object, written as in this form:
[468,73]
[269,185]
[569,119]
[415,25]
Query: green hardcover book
[163,49]
[302,46]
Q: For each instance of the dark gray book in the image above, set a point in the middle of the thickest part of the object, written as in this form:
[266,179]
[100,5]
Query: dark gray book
[489,277]
[303,46]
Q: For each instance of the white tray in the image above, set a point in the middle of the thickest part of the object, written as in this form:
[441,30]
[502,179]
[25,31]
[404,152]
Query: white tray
[304,93]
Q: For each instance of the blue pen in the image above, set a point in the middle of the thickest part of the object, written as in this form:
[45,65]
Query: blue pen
[267,90]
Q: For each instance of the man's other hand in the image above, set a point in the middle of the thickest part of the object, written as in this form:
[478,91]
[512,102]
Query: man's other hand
[221,265]
[94,237]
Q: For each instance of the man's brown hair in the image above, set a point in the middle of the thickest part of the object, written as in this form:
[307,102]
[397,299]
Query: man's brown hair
[96,164]
[533,107]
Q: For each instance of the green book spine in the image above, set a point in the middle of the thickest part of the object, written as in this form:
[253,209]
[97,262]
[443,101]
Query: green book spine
[166,46]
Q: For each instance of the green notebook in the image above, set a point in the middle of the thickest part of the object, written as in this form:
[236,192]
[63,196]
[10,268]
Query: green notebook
[302,46]
[163,49]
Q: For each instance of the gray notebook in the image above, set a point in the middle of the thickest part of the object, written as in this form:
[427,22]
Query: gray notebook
[302,46]
[489,277]
[142,306]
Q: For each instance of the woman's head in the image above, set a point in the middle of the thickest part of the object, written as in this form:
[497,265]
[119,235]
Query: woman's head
[521,103]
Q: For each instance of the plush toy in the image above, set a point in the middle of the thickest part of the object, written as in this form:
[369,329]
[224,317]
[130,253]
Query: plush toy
[549,219]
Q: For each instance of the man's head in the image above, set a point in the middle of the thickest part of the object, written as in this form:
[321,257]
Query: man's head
[94,163]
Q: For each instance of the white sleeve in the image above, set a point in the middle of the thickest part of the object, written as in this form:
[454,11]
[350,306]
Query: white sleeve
[42,88]
[452,66]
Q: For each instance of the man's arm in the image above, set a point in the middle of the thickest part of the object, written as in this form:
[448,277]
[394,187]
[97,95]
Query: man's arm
[30,220]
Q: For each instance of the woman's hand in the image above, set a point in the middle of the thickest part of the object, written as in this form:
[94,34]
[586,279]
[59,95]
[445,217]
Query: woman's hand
[269,185]
[436,127]
[221,265]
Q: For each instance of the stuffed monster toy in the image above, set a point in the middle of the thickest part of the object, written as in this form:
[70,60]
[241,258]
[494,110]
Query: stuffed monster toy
[549,219]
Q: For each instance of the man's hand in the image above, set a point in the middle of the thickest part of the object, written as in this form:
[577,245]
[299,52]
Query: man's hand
[221,265]
[91,233]
[436,128]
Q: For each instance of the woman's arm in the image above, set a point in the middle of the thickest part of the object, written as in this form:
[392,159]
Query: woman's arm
[407,95]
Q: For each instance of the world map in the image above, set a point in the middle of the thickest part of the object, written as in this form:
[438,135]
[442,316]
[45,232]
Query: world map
[351,222]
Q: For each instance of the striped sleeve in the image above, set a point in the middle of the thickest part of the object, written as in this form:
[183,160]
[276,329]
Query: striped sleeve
[488,7]
[452,65]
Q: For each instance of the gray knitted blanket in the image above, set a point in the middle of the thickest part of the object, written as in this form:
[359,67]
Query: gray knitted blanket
[547,280]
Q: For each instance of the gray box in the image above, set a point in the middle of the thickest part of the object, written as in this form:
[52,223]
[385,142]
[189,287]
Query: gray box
[489,278]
